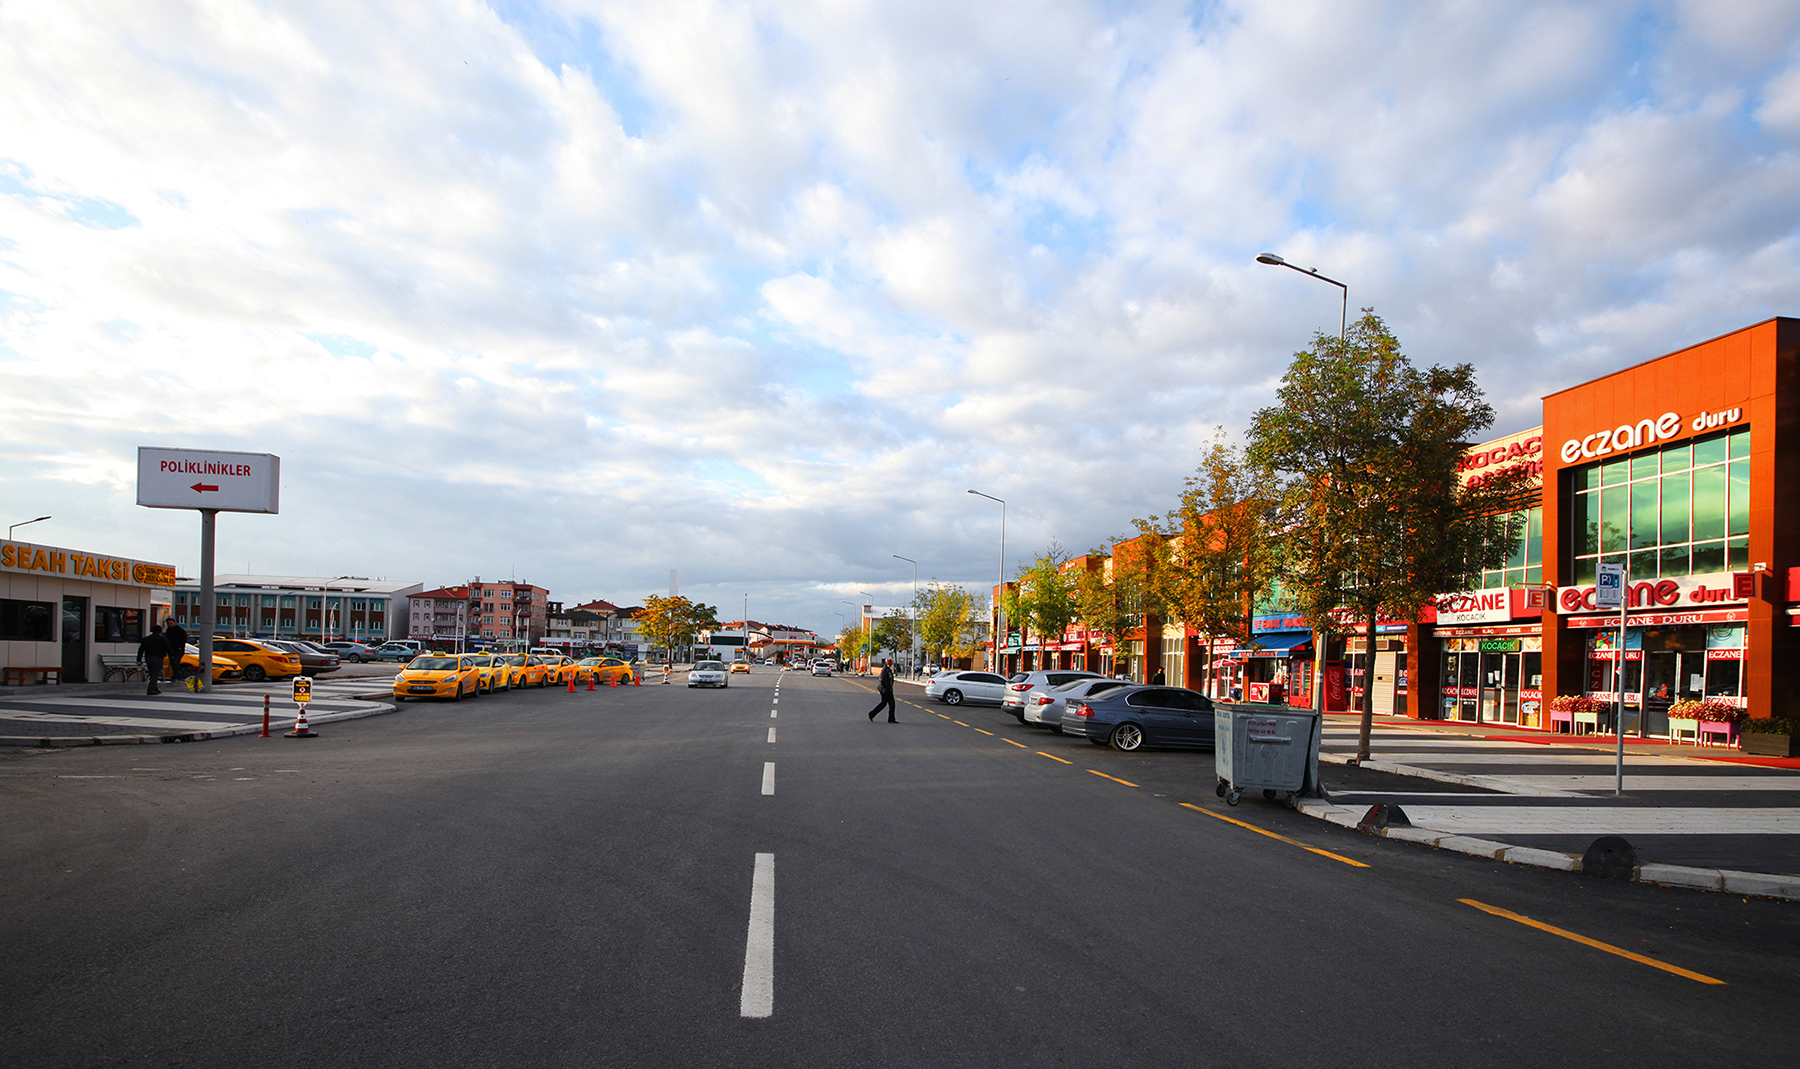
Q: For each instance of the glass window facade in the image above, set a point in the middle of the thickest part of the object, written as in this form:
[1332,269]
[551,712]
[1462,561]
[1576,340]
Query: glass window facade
[1525,567]
[1682,510]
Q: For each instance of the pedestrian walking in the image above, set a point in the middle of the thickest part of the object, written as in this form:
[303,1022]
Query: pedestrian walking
[151,652]
[887,691]
[177,638]
[1157,679]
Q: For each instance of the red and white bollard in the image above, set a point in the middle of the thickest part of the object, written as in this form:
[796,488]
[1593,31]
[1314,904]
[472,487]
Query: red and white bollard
[265,733]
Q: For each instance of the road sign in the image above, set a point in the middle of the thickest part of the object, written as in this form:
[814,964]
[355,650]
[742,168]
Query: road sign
[1609,587]
[208,479]
[302,690]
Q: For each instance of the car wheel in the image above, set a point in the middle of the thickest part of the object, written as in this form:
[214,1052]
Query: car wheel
[953,697]
[1127,737]
[458,695]
[255,673]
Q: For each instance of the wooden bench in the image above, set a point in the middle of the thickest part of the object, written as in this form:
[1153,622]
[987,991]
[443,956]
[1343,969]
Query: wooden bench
[15,677]
[125,666]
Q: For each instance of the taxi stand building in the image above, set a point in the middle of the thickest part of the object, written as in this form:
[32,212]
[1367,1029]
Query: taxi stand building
[66,608]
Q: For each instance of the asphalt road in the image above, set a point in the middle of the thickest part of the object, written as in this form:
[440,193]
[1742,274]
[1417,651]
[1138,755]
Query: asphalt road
[548,879]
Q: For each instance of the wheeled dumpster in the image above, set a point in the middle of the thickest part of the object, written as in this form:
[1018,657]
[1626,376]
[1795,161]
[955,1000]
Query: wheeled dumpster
[1263,748]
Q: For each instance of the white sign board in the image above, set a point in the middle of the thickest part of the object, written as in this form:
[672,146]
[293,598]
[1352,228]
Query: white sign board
[1609,587]
[208,479]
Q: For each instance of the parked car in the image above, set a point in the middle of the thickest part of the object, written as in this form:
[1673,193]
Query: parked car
[259,659]
[525,671]
[1046,706]
[313,661]
[350,651]
[1132,717]
[955,688]
[438,676]
[1020,687]
[603,670]
[708,674]
[222,667]
[402,650]
[491,673]
[558,670]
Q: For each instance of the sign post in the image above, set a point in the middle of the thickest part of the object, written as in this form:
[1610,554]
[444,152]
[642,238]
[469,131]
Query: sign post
[209,482]
[1609,593]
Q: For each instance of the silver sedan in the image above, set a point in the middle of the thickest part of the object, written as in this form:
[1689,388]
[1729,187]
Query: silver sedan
[1047,708]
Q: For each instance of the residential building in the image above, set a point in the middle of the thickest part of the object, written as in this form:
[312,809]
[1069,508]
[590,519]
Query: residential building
[508,611]
[440,616]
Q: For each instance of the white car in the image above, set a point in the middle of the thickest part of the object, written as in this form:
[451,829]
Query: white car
[708,674]
[1046,707]
[955,688]
[821,668]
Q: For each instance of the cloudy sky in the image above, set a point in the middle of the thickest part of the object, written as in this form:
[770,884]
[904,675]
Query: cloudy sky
[583,292]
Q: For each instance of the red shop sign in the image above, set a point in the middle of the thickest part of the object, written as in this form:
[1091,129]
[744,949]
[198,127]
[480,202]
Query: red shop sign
[1665,619]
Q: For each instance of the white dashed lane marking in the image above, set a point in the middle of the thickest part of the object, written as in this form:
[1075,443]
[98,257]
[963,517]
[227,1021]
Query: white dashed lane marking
[758,998]
[771,734]
[768,777]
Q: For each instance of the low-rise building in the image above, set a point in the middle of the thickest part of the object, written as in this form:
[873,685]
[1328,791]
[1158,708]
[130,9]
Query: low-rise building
[64,609]
[292,606]
[440,617]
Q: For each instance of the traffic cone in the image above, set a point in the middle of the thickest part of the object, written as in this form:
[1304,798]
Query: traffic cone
[590,682]
[301,731]
[571,684]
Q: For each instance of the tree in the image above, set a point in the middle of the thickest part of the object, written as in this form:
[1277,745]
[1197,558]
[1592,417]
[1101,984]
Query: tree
[948,618]
[893,632]
[674,620]
[1119,596]
[1043,601]
[1369,446]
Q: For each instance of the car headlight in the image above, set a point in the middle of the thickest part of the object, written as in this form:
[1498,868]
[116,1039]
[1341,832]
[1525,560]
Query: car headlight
[400,677]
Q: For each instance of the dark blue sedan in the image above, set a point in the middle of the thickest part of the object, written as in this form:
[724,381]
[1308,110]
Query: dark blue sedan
[1131,718]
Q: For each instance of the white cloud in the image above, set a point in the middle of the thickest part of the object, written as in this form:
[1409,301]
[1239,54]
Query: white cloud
[756,290]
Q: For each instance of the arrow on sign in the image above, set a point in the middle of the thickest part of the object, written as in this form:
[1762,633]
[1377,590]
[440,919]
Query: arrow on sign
[203,488]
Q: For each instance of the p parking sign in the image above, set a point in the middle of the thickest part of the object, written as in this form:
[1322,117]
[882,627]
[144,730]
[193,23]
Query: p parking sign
[1609,586]
[302,690]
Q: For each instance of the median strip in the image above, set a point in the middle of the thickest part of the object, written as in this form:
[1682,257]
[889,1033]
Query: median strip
[1585,941]
[1277,835]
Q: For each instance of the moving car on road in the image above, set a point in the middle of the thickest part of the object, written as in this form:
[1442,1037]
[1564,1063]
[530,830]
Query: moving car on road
[1048,706]
[1020,688]
[438,675]
[1132,717]
[955,688]
[708,674]
[741,666]
[821,668]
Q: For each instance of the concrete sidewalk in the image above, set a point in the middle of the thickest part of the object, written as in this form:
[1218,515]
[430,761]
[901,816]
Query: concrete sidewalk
[1693,816]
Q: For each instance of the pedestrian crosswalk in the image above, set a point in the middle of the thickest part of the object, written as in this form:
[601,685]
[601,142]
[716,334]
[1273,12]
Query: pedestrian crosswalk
[171,711]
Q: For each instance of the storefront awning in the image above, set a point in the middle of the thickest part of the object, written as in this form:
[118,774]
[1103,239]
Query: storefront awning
[1279,645]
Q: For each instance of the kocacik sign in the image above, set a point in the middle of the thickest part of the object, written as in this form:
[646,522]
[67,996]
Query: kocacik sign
[208,479]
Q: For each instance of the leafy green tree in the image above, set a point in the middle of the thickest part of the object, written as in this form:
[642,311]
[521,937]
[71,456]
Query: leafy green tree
[1368,445]
[1043,601]
[893,632]
[949,616]
[1118,597]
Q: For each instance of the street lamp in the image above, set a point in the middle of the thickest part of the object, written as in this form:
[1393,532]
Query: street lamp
[325,616]
[843,622]
[16,526]
[1313,272]
[912,625]
[1000,586]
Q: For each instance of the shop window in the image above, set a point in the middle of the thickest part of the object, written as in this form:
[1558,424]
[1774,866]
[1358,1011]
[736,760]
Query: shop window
[1675,511]
[118,625]
[1722,678]
[26,621]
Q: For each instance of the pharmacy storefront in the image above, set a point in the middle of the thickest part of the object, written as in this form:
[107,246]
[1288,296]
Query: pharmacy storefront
[65,609]
[1675,469]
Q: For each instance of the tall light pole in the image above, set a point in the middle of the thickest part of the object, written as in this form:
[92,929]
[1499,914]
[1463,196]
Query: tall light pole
[1319,637]
[868,615]
[16,526]
[746,654]
[1000,586]
[325,615]
[843,622]
[912,615]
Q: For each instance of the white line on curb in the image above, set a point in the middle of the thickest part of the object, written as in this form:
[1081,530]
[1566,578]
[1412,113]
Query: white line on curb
[768,777]
[758,998]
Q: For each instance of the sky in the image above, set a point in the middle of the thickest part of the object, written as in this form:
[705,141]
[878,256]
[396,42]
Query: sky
[581,293]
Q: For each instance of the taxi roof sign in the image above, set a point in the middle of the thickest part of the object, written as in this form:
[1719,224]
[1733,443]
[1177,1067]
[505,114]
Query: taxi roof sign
[208,479]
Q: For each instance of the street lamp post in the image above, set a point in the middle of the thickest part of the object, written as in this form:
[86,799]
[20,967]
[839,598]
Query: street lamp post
[16,526]
[912,615]
[1319,638]
[745,655]
[843,621]
[867,611]
[1000,585]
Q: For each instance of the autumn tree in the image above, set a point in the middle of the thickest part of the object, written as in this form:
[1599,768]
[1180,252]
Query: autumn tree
[1117,597]
[674,620]
[949,616]
[1368,446]
[894,632]
[1043,601]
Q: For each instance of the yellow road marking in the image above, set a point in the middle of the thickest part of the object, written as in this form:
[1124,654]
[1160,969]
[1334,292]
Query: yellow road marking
[945,717]
[1277,835]
[984,732]
[1020,745]
[959,722]
[1585,941]
[1115,779]
[1053,757]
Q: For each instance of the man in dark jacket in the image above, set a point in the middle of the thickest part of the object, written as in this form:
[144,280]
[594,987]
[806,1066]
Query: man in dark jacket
[151,652]
[176,636]
[887,691]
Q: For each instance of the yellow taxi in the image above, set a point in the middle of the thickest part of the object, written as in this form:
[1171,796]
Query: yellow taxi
[259,660]
[740,666]
[223,667]
[438,675]
[524,670]
[558,669]
[493,673]
[603,670]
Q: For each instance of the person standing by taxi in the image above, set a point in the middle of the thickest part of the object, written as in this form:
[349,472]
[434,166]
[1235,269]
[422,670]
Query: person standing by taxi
[151,651]
[177,638]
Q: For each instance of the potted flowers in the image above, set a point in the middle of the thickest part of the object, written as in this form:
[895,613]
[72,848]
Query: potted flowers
[1577,710]
[1770,738]
[1698,719]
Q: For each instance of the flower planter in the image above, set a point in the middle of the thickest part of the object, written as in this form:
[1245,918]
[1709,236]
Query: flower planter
[1755,742]
[1683,729]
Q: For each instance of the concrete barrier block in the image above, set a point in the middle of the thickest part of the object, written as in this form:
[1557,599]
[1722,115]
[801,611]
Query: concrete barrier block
[1543,859]
[1682,876]
[1462,844]
[1760,883]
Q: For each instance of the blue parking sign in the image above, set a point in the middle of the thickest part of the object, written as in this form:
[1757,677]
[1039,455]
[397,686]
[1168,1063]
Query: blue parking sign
[1609,587]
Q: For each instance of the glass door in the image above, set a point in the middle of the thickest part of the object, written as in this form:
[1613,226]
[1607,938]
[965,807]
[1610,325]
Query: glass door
[1661,689]
[74,640]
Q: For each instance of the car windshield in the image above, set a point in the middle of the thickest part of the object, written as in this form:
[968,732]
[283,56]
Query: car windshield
[516,659]
[432,664]
[710,666]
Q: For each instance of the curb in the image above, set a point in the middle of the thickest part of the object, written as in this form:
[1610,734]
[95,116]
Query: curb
[1489,782]
[1724,881]
[54,741]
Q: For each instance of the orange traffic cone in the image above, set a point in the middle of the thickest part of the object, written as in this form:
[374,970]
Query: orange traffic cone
[301,731]
[590,682]
[571,684]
